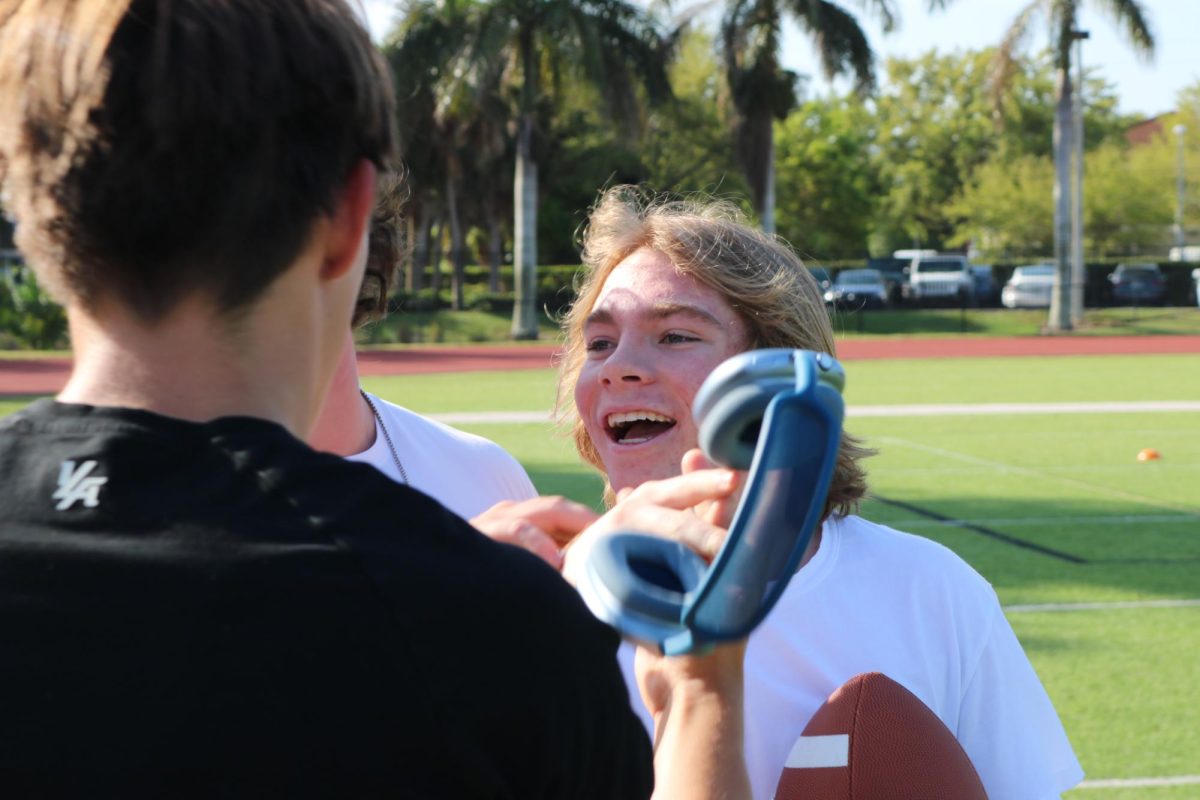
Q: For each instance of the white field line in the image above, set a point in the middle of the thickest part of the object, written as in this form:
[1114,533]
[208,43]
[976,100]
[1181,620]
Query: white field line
[949,409]
[1140,783]
[1112,606]
[1030,473]
[971,409]
[1019,522]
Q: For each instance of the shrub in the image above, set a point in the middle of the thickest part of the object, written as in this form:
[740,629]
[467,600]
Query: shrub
[28,317]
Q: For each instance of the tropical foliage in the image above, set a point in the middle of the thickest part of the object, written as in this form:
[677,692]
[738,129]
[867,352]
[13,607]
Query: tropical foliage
[762,92]
[611,45]
[513,113]
[518,111]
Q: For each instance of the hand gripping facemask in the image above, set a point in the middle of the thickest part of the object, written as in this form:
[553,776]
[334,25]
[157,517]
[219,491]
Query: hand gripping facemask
[777,413]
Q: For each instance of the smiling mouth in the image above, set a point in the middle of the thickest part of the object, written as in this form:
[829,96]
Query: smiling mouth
[636,427]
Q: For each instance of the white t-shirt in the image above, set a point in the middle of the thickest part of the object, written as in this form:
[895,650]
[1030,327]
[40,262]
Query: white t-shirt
[874,599]
[464,472]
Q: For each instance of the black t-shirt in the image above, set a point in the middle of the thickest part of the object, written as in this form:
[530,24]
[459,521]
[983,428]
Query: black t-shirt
[206,600]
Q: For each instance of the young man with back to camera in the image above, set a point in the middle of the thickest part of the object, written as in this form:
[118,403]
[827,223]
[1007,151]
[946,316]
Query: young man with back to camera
[187,591]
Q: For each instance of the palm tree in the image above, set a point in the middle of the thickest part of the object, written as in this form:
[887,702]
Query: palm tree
[452,119]
[611,44]
[1063,16]
[416,50]
[762,92]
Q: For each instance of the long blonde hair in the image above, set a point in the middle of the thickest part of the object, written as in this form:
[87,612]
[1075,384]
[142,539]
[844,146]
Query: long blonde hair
[760,277]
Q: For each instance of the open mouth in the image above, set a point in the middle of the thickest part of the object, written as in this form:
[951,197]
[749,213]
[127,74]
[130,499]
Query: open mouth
[635,427]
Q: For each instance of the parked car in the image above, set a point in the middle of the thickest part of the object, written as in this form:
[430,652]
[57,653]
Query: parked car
[895,276]
[855,289]
[987,291]
[1029,287]
[1138,283]
[942,278]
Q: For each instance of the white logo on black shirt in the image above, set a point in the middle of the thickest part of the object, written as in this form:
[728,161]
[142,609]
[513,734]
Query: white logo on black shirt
[74,485]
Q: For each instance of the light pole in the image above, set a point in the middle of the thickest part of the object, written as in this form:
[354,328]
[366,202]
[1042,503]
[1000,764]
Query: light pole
[1078,276]
[1180,237]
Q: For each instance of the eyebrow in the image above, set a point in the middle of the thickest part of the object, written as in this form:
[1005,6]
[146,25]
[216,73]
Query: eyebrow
[602,316]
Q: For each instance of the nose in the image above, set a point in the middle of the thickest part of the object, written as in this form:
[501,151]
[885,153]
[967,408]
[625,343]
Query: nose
[625,364]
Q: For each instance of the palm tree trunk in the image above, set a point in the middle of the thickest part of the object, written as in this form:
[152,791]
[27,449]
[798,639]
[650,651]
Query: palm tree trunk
[436,241]
[768,199]
[525,193]
[1078,270]
[410,252]
[1060,298]
[456,241]
[495,246]
[420,255]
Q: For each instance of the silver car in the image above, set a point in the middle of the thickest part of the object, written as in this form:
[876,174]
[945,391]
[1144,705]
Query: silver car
[1029,287]
[858,288]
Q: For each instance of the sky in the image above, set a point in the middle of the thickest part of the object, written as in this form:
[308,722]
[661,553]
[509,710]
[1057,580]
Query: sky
[1146,88]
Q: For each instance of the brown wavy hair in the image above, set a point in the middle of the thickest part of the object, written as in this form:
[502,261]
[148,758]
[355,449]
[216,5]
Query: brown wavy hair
[385,249]
[759,275]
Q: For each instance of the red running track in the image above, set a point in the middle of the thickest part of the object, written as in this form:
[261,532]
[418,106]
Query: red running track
[47,376]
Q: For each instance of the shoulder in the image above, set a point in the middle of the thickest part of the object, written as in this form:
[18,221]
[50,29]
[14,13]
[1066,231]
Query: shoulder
[429,431]
[868,546]
[867,538]
[439,457]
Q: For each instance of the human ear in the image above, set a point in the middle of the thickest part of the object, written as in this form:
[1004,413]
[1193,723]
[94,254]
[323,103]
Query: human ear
[350,220]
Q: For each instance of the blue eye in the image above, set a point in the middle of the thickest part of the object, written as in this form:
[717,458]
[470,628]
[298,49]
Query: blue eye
[598,345]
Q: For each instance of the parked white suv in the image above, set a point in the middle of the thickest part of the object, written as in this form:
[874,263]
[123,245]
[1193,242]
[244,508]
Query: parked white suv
[945,279]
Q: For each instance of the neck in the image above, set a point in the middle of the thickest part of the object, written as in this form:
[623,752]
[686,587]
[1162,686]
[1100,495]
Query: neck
[346,425]
[196,364]
[814,544]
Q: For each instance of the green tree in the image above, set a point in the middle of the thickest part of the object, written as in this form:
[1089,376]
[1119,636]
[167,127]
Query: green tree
[1129,204]
[686,146]
[1006,208]
[1063,16]
[935,127]
[938,124]
[418,51]
[683,146]
[611,44]
[1000,211]
[826,177]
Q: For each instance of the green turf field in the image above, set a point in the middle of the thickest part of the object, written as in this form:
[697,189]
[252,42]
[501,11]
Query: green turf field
[1090,551]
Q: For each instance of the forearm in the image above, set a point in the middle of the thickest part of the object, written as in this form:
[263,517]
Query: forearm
[699,740]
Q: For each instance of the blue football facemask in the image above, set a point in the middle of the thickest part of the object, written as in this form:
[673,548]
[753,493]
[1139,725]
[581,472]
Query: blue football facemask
[777,413]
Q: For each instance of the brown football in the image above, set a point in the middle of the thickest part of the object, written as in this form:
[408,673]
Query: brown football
[875,740]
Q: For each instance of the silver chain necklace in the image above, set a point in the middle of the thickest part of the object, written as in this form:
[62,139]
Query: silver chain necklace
[387,437]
